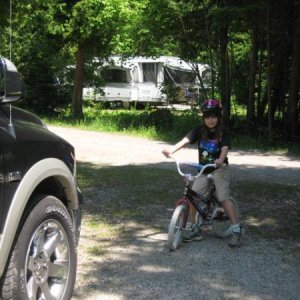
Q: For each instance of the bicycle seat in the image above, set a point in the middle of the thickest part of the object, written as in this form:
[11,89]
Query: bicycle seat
[210,176]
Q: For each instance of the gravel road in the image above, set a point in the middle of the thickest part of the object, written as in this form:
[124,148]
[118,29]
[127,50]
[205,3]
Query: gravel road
[144,269]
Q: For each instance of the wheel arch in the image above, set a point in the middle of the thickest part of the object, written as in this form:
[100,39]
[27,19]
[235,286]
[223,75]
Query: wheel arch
[44,175]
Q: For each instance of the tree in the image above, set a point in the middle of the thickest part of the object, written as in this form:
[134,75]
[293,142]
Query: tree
[252,47]
[292,114]
[281,20]
[90,29]
[171,28]
[48,34]
[224,80]
[5,27]
[35,51]
[4,12]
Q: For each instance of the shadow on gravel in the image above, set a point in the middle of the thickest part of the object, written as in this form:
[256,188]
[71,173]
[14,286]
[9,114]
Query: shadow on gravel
[286,157]
[266,174]
[127,209]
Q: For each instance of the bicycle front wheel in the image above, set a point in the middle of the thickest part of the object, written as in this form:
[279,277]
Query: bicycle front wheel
[176,227]
[221,222]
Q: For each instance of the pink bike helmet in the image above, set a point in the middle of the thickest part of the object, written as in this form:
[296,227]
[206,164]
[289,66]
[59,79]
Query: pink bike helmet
[211,106]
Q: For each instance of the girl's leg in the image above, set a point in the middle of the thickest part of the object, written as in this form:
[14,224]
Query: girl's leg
[222,182]
[192,214]
[200,186]
[229,208]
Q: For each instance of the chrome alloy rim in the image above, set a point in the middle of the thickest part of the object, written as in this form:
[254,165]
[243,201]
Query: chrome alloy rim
[47,262]
[178,232]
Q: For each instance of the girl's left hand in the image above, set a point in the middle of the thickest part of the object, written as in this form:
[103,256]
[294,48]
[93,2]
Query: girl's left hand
[219,162]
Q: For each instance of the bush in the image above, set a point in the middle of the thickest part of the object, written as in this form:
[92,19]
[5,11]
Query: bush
[164,125]
[161,119]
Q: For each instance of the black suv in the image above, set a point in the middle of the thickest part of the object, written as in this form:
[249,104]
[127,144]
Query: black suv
[39,202]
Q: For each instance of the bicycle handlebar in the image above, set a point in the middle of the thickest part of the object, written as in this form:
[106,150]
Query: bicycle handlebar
[199,167]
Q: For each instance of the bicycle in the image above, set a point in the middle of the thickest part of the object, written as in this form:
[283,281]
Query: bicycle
[209,209]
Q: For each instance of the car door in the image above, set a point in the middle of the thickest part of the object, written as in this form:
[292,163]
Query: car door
[6,155]
[1,181]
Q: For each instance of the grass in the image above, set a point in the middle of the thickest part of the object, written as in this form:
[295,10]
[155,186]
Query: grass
[155,125]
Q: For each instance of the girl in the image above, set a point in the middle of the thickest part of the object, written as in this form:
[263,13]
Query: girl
[213,145]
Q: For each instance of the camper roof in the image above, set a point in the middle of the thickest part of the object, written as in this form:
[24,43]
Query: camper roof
[171,61]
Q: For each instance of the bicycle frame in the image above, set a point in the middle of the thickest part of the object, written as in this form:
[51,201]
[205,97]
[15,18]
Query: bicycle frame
[212,214]
[190,196]
[184,201]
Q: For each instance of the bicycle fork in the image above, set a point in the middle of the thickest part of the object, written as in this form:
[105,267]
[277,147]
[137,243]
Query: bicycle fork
[184,201]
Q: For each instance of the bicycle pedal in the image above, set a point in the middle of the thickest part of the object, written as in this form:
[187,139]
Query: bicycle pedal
[206,223]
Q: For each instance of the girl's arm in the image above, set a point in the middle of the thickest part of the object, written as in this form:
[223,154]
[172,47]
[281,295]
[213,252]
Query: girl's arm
[176,147]
[224,151]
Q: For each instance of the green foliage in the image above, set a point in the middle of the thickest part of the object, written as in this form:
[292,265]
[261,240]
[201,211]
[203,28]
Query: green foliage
[149,28]
[161,119]
[240,48]
[36,54]
[46,35]
[160,123]
[169,89]
[169,126]
[92,19]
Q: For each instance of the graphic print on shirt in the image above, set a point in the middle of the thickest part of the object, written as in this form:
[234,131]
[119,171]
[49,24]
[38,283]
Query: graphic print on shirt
[209,151]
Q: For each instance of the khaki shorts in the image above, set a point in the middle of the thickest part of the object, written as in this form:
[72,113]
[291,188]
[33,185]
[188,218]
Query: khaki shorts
[222,183]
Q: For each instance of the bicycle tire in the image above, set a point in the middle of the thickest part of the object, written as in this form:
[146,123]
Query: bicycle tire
[176,227]
[221,225]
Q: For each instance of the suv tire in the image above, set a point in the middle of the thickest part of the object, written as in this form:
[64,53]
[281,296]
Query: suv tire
[43,260]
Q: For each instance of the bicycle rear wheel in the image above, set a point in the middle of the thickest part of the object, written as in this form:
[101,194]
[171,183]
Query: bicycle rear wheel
[176,227]
[221,222]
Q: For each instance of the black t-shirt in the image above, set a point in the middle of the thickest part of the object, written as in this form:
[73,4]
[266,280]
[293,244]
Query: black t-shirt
[210,149]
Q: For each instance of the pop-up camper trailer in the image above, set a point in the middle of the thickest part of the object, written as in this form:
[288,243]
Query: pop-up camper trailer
[160,80]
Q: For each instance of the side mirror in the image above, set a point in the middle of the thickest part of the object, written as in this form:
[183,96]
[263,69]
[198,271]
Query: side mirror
[10,82]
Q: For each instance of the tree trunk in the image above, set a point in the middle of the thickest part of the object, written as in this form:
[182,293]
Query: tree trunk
[259,100]
[211,60]
[291,115]
[78,84]
[253,70]
[224,72]
[270,106]
[203,91]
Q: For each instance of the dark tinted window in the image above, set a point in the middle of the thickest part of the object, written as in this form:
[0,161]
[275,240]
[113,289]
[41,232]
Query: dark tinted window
[114,75]
[179,75]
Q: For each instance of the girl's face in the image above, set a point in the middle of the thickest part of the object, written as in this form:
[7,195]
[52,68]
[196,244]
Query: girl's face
[211,121]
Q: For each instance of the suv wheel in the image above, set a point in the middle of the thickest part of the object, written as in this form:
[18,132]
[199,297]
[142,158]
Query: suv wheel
[43,260]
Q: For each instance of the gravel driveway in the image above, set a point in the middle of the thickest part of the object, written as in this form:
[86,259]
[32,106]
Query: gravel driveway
[144,269]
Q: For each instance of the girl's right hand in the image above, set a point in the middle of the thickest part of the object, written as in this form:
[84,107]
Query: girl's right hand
[166,152]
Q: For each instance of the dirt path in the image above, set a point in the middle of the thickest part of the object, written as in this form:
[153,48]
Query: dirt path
[118,150]
[142,268]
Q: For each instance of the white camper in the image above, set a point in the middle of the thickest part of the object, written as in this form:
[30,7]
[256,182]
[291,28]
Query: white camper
[148,80]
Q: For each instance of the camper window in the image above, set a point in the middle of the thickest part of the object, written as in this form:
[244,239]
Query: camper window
[114,75]
[149,72]
[178,76]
